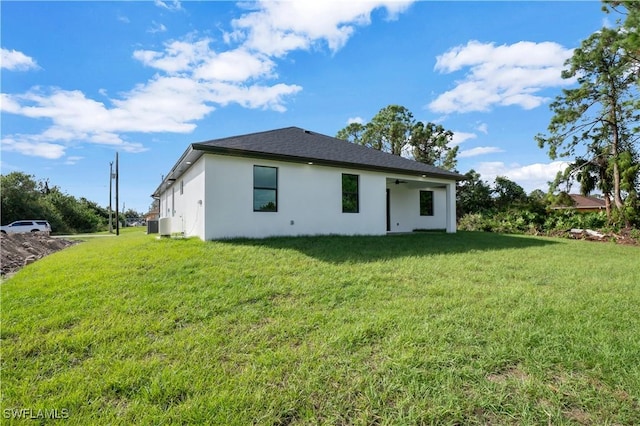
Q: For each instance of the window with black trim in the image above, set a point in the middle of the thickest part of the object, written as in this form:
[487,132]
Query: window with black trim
[350,194]
[265,189]
[426,203]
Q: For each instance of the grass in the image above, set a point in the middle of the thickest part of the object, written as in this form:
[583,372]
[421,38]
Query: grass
[427,328]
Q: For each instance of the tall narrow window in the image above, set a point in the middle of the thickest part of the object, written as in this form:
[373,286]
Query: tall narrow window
[181,187]
[350,193]
[265,189]
[426,203]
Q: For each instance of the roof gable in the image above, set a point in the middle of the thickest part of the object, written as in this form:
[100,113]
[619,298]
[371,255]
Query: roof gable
[296,144]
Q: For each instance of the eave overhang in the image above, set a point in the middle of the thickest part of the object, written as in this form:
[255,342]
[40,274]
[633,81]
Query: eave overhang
[196,150]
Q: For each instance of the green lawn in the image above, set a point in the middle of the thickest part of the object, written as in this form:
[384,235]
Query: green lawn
[429,328]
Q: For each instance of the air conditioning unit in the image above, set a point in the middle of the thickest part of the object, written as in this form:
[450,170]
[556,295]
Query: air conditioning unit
[164,226]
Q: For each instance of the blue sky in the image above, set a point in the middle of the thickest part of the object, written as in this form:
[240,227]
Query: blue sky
[82,80]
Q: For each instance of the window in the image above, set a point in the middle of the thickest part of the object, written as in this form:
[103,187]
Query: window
[181,187]
[265,189]
[426,203]
[350,193]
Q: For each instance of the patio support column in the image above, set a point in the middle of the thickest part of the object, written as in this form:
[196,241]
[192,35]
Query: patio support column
[451,207]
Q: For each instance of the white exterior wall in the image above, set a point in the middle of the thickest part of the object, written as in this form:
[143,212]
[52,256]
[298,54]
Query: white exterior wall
[309,200]
[405,209]
[186,208]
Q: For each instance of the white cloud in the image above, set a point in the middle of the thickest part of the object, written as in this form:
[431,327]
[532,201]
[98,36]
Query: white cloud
[358,120]
[163,104]
[178,56]
[276,28]
[460,137]
[480,150]
[174,5]
[192,78]
[72,159]
[33,149]
[157,28]
[13,60]
[500,75]
[530,177]
[482,127]
[255,96]
[8,104]
[235,65]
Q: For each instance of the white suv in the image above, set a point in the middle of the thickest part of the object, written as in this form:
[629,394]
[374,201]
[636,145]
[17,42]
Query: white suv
[26,226]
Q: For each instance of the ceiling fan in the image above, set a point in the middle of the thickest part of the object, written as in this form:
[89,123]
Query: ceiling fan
[398,181]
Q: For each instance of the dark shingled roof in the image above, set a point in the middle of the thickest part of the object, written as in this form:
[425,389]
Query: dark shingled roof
[296,144]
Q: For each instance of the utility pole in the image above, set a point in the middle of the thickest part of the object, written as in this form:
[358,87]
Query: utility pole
[117,197]
[110,190]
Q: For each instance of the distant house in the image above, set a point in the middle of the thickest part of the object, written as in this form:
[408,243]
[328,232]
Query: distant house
[584,204]
[151,215]
[295,182]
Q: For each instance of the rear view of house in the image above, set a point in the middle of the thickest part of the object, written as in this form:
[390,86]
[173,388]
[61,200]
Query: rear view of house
[295,182]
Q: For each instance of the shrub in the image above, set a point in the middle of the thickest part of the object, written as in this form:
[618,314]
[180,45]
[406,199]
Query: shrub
[474,222]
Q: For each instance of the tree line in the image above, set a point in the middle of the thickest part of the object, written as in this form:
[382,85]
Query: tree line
[24,197]
[506,207]
[595,126]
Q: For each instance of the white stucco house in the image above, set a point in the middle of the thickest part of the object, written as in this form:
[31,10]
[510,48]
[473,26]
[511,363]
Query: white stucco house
[295,182]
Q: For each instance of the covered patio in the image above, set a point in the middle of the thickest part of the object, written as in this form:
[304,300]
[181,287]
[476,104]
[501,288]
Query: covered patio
[420,203]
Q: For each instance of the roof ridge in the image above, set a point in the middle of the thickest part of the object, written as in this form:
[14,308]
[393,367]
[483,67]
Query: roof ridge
[295,142]
[262,132]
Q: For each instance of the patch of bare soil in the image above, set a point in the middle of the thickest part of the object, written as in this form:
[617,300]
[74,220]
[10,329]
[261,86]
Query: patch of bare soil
[22,249]
[511,373]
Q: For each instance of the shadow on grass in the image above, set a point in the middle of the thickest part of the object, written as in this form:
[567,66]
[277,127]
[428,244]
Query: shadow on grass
[359,249]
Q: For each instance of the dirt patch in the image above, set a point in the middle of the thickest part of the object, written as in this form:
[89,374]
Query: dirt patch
[19,250]
[510,373]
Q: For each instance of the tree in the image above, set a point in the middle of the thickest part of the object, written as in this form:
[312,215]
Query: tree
[538,195]
[630,41]
[431,145]
[563,199]
[133,216]
[393,129]
[352,133]
[25,198]
[77,216]
[508,192]
[390,129]
[473,194]
[20,198]
[600,115]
